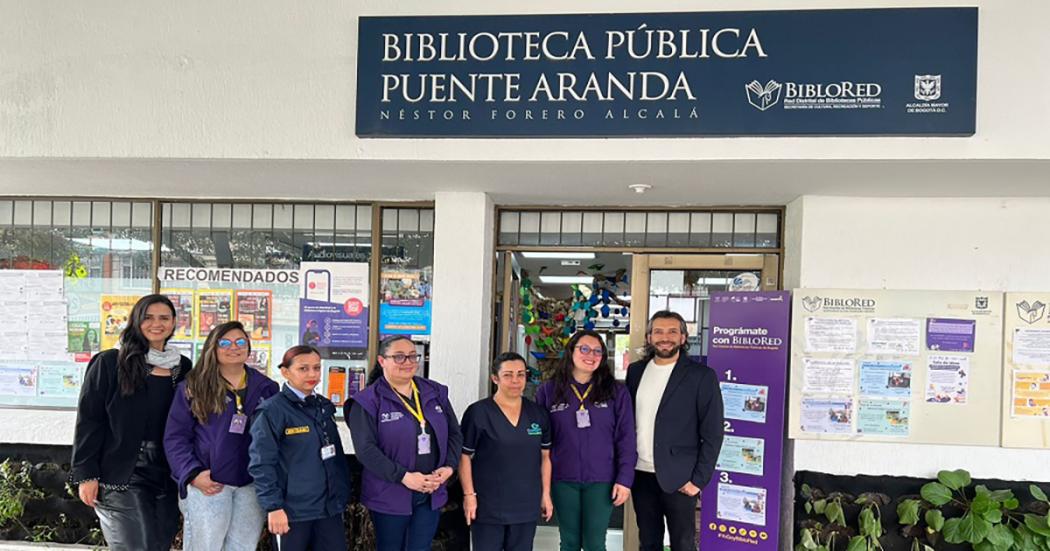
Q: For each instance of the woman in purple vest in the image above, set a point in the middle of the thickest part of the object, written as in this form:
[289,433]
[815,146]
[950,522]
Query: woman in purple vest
[406,435]
[594,445]
[207,439]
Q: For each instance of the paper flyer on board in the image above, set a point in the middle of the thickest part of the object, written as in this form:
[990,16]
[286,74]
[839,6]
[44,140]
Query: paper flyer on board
[883,418]
[950,335]
[885,379]
[838,335]
[83,336]
[58,380]
[742,504]
[182,299]
[259,357]
[214,308]
[745,402]
[828,416]
[253,310]
[1031,394]
[898,336]
[947,378]
[18,380]
[1031,346]
[828,376]
[114,312]
[741,454]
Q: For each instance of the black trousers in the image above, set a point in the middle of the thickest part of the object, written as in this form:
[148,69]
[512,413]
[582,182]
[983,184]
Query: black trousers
[652,505]
[502,537]
[145,516]
[326,534]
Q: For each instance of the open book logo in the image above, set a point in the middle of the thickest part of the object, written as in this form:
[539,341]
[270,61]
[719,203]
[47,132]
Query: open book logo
[1030,313]
[927,87]
[763,97]
[812,303]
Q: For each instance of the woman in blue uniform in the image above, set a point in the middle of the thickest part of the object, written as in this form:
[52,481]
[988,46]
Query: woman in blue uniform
[297,461]
[506,469]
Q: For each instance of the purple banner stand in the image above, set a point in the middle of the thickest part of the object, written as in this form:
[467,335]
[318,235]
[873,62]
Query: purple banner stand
[748,349]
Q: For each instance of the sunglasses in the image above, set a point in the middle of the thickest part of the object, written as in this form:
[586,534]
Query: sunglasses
[402,358]
[226,343]
[588,351]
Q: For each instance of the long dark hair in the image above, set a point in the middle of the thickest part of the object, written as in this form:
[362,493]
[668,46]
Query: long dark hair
[603,380]
[131,360]
[384,347]
[204,384]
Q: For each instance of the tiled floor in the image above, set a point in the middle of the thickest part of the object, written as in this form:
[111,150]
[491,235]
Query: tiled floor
[547,539]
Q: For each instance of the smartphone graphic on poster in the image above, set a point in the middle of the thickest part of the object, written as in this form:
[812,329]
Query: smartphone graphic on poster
[319,285]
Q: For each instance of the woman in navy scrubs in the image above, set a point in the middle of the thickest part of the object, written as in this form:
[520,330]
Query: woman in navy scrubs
[506,469]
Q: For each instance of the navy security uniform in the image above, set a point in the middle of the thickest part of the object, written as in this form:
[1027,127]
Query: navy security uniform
[505,465]
[288,435]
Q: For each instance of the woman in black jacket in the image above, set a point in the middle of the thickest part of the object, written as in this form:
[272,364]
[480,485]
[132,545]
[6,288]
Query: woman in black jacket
[118,455]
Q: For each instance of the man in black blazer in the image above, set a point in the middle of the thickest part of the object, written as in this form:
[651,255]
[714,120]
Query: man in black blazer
[678,418]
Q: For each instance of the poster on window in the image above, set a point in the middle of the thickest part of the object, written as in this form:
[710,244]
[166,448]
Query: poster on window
[114,311]
[333,308]
[254,312]
[182,300]
[214,308]
[405,305]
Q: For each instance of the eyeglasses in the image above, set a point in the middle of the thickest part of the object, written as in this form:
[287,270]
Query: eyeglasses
[588,351]
[402,358]
[226,343]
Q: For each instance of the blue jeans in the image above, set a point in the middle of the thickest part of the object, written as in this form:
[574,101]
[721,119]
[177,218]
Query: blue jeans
[230,520]
[413,532]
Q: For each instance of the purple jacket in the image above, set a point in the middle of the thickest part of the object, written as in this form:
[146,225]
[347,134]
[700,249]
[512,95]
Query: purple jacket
[391,447]
[192,447]
[604,452]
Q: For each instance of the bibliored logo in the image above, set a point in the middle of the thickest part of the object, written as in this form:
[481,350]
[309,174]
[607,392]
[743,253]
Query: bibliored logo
[927,87]
[763,97]
[980,303]
[1030,313]
[812,303]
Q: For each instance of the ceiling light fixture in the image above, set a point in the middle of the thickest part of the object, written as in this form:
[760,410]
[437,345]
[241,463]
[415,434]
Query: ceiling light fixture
[568,256]
[640,188]
[566,280]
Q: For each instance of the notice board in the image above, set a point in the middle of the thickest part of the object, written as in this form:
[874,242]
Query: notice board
[896,366]
[1026,371]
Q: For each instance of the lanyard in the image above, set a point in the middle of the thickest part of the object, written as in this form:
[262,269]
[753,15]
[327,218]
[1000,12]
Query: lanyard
[578,395]
[237,397]
[418,411]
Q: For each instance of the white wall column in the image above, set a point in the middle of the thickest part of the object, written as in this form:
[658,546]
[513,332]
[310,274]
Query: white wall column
[462,307]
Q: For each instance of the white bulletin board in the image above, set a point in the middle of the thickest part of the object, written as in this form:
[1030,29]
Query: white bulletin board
[1026,371]
[896,366]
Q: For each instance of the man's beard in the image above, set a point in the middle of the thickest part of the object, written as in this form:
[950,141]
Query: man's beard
[670,353]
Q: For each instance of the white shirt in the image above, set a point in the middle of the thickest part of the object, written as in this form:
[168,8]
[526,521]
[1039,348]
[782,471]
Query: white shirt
[650,392]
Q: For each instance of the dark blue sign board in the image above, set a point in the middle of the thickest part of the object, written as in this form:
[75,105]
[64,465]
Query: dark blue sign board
[880,72]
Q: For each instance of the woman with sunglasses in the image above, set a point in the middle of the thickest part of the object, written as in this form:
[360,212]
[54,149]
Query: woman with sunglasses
[207,439]
[296,458]
[407,437]
[118,456]
[594,447]
[506,466]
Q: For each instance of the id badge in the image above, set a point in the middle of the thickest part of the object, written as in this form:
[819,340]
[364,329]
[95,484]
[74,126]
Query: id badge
[583,418]
[423,444]
[328,452]
[238,423]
